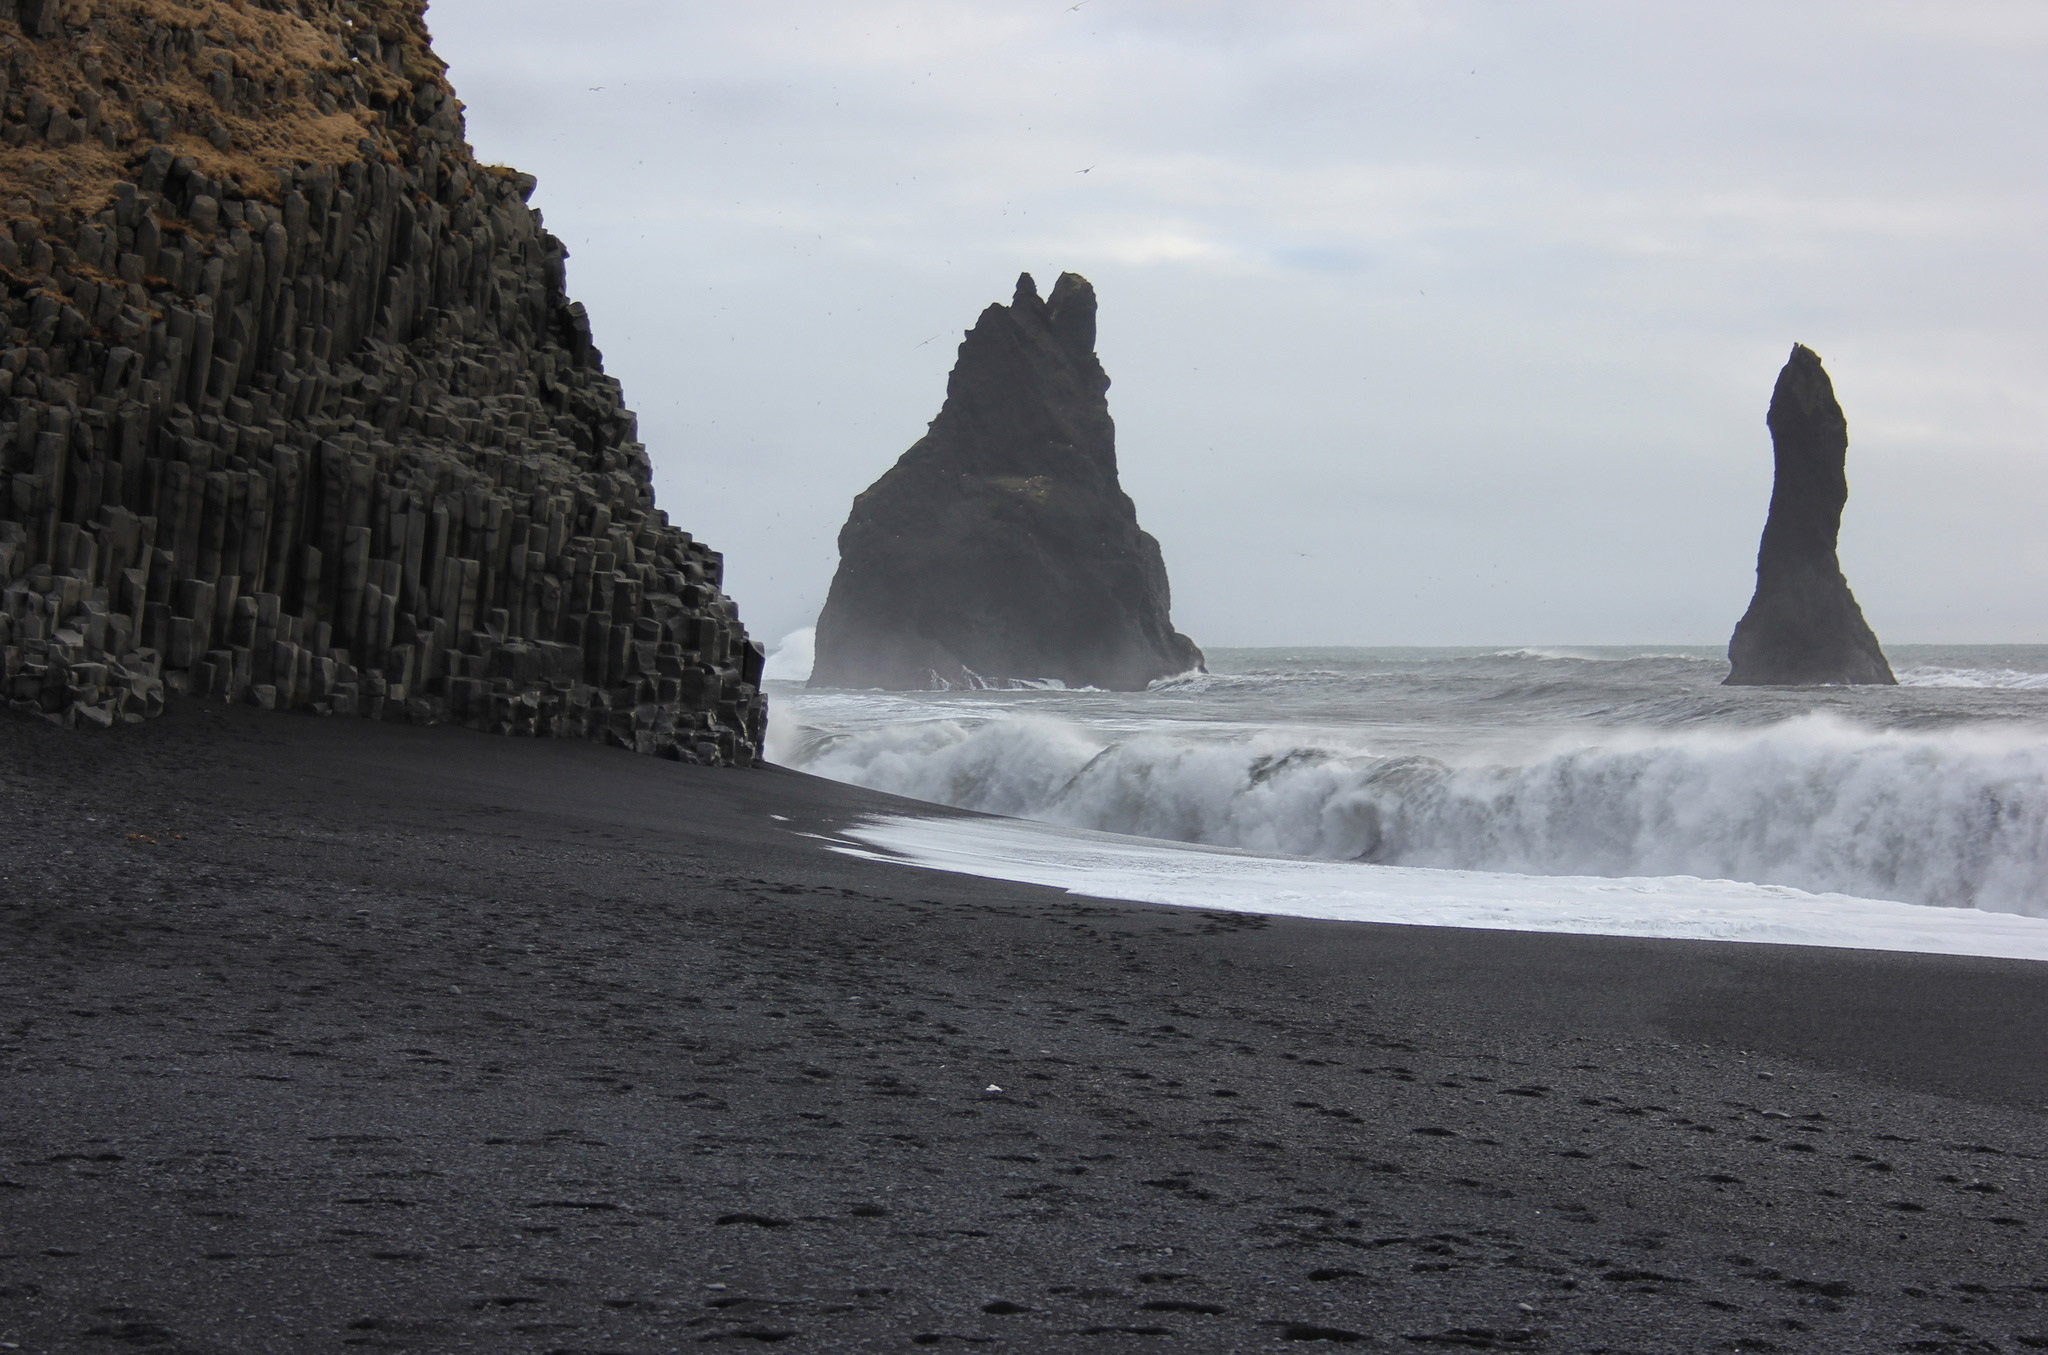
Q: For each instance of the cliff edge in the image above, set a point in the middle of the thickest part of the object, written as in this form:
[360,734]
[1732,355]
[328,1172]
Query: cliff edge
[1001,547]
[295,410]
[1803,627]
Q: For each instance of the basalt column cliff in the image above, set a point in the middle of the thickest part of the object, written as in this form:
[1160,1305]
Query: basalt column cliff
[1803,626]
[1001,547]
[293,407]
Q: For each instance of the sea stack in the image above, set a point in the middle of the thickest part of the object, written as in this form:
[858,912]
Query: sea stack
[1001,547]
[1803,627]
[295,410]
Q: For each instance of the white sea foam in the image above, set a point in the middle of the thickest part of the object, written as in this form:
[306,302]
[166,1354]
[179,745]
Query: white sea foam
[2008,679]
[1108,866]
[975,682]
[1192,681]
[1957,817]
[1558,653]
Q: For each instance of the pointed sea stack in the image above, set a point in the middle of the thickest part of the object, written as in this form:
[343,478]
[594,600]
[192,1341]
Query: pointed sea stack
[1803,627]
[1001,546]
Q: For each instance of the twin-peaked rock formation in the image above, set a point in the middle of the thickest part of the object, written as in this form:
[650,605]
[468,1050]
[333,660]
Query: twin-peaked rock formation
[1001,546]
[1803,626]
[293,407]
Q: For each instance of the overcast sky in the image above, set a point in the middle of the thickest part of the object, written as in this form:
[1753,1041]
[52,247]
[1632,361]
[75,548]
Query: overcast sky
[1428,323]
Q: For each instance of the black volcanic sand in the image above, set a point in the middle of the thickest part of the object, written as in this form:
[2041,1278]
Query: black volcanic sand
[324,1035]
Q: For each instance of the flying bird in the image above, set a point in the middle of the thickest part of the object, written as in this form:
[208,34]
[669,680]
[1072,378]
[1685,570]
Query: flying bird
[1083,171]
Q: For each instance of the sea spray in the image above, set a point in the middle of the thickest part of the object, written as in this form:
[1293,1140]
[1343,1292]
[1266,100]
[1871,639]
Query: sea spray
[794,654]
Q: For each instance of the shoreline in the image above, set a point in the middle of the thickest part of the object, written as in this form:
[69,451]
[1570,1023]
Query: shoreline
[1096,864]
[328,1032]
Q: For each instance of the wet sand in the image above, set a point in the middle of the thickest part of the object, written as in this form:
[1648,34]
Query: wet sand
[319,1035]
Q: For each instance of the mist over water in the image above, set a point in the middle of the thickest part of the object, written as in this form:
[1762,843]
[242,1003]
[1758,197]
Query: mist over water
[1601,762]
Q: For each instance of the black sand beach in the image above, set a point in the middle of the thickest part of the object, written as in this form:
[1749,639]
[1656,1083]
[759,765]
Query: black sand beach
[322,1035]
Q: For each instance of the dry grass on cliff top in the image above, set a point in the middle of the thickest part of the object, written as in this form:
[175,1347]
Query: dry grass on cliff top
[285,49]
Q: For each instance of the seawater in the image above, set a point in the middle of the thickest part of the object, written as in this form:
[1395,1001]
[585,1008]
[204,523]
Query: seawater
[1615,762]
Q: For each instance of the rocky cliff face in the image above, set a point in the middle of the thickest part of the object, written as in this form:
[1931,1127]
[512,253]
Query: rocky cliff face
[1803,626]
[1001,546]
[294,409]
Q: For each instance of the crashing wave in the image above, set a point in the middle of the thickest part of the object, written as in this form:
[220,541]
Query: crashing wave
[1956,817]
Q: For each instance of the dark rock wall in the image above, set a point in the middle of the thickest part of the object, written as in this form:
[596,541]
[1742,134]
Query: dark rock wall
[318,435]
[1803,626]
[1001,546]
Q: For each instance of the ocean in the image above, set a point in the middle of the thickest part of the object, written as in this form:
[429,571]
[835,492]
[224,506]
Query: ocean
[1606,789]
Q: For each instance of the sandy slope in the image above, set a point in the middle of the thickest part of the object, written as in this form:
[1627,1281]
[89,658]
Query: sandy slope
[322,1034]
